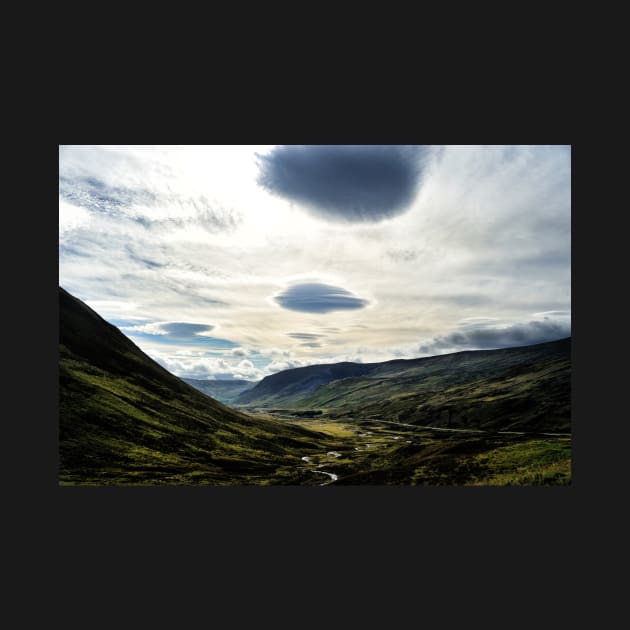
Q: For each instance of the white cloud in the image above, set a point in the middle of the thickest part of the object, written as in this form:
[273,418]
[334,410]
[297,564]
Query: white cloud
[71,217]
[239,352]
[149,329]
[208,368]
[159,235]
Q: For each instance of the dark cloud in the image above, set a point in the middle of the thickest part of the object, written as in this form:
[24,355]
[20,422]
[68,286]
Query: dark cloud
[305,336]
[309,340]
[181,333]
[313,297]
[345,183]
[181,329]
[150,263]
[488,337]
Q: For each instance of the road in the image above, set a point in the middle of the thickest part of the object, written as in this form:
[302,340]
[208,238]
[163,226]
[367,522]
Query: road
[334,477]
[422,426]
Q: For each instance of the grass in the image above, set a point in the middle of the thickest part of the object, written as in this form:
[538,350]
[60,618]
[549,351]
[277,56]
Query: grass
[114,431]
[535,462]
[515,388]
[124,420]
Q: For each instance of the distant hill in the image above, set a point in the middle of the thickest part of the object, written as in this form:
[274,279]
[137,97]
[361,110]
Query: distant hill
[225,391]
[289,386]
[511,388]
[123,419]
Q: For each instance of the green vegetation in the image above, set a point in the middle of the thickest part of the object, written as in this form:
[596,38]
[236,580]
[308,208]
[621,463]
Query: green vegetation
[379,453]
[123,419]
[511,389]
[533,462]
[467,419]
[225,391]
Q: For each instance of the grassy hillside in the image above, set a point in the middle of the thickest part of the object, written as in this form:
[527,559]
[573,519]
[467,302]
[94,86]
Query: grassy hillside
[292,385]
[373,452]
[525,388]
[123,419]
[225,391]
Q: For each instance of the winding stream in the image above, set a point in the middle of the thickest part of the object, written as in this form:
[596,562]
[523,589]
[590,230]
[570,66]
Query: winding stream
[332,476]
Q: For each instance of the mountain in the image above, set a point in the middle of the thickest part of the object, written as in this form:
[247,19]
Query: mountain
[508,389]
[124,419]
[291,385]
[225,391]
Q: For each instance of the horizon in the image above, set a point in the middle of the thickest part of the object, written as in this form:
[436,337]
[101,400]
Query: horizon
[237,262]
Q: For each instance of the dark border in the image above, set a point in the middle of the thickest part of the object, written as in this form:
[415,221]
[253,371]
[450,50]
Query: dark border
[366,538]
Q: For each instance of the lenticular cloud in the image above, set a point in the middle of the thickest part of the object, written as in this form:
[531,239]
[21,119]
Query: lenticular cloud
[313,297]
[345,183]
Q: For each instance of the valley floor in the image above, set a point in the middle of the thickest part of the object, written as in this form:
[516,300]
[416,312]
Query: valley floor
[375,452]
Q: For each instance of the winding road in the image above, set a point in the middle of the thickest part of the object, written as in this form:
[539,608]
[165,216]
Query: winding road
[369,445]
[422,426]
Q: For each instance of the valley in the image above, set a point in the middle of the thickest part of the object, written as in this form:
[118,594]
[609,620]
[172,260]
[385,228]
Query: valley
[499,417]
[380,452]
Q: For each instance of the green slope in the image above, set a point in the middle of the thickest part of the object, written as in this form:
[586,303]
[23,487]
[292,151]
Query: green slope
[526,388]
[288,386]
[126,420]
[123,419]
[225,391]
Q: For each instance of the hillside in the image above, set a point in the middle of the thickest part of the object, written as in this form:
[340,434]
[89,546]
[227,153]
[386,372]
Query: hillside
[225,391]
[289,386]
[507,389]
[123,419]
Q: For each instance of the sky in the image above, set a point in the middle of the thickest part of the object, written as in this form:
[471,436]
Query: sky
[241,261]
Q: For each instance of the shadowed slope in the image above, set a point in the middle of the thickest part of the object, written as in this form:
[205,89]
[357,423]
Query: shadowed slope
[123,419]
[225,391]
[525,388]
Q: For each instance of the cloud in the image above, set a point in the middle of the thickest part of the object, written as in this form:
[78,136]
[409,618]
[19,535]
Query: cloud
[402,255]
[313,297]
[71,217]
[240,352]
[556,314]
[488,234]
[148,208]
[287,364]
[182,329]
[210,368]
[93,194]
[309,340]
[486,335]
[345,183]
[176,334]
[172,329]
[305,336]
[466,299]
